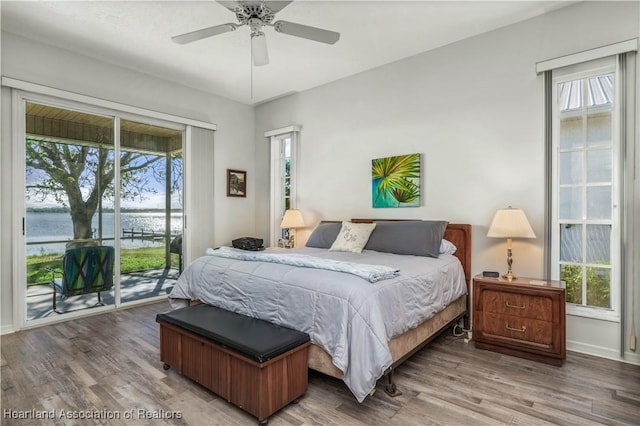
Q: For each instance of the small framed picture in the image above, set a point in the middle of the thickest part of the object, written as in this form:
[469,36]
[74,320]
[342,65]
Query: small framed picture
[236,183]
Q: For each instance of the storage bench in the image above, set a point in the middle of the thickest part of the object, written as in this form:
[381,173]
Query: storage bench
[256,365]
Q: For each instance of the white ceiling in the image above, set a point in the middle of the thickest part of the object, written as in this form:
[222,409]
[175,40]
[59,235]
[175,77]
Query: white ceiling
[136,34]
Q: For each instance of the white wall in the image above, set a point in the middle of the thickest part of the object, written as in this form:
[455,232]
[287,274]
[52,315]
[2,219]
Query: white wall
[474,109]
[34,62]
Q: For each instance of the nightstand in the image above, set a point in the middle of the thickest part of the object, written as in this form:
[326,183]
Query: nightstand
[524,318]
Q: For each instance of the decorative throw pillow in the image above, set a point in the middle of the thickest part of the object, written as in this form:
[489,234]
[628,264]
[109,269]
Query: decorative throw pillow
[412,237]
[352,237]
[324,235]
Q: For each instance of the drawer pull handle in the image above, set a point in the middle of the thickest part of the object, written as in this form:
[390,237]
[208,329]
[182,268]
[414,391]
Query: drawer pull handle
[509,305]
[519,330]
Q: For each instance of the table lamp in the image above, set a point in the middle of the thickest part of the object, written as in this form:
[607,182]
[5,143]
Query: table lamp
[510,223]
[292,219]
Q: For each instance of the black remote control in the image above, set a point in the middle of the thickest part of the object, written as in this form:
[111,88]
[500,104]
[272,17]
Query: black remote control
[490,274]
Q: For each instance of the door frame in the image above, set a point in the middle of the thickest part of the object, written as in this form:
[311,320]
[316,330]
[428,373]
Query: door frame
[62,99]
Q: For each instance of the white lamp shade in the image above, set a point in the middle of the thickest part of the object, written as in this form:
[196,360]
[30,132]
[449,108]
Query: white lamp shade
[510,223]
[292,219]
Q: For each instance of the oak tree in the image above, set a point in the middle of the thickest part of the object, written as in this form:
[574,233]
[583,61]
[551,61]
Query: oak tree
[81,176]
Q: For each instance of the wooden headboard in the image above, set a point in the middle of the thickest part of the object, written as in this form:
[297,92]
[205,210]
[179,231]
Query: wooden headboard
[458,233]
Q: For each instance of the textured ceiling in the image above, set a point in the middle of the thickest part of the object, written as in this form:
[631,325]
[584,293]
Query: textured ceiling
[136,34]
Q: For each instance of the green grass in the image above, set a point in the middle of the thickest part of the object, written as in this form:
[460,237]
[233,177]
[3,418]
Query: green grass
[132,260]
[37,267]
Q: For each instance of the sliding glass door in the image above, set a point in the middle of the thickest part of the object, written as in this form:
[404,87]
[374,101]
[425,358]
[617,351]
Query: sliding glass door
[150,209]
[73,164]
[69,182]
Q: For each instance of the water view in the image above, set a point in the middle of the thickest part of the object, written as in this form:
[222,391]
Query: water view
[57,226]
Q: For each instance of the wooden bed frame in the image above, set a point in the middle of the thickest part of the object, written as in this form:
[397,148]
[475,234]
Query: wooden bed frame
[405,345]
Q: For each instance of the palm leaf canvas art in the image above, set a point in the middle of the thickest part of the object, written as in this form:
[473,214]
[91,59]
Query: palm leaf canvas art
[396,181]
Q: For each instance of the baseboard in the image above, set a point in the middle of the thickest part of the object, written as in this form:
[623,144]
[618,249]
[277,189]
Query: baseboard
[6,329]
[631,357]
[599,351]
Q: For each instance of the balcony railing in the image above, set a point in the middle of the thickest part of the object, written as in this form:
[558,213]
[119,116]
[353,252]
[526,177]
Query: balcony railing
[132,259]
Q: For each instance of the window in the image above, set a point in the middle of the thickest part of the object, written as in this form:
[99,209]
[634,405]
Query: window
[73,163]
[283,178]
[592,225]
[586,186]
[105,153]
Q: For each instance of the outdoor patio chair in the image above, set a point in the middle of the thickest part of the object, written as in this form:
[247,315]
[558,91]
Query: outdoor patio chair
[84,270]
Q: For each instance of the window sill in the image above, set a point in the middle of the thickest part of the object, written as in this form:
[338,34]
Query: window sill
[593,313]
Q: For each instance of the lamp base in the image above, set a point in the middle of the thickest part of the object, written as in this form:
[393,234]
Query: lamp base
[291,243]
[509,276]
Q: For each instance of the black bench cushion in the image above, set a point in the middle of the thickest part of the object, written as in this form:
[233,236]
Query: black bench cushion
[254,338]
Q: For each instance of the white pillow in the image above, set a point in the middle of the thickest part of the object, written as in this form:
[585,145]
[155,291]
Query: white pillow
[447,247]
[352,237]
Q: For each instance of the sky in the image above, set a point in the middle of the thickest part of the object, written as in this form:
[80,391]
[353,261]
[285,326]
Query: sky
[150,200]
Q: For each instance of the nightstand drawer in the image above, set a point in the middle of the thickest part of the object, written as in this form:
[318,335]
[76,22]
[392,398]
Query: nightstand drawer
[527,331]
[519,305]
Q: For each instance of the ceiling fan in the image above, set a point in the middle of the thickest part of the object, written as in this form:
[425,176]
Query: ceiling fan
[257,14]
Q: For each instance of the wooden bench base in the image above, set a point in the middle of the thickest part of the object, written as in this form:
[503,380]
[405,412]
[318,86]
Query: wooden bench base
[260,389]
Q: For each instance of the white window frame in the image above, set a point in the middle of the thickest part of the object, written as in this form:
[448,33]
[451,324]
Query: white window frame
[580,71]
[277,176]
[23,92]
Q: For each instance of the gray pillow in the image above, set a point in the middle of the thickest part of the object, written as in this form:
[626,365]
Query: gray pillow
[415,237]
[324,235]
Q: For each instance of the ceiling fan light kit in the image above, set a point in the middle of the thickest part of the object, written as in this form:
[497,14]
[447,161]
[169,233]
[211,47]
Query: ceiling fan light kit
[256,15]
[259,51]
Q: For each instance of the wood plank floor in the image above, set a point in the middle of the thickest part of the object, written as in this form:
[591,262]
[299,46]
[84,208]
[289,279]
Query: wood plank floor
[108,366]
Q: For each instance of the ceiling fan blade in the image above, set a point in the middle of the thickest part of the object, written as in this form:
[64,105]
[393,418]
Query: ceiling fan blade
[277,5]
[305,31]
[204,33]
[259,52]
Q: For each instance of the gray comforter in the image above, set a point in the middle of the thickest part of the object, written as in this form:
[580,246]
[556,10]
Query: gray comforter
[371,273]
[349,317]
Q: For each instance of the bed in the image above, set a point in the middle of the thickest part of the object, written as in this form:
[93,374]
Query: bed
[360,330]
